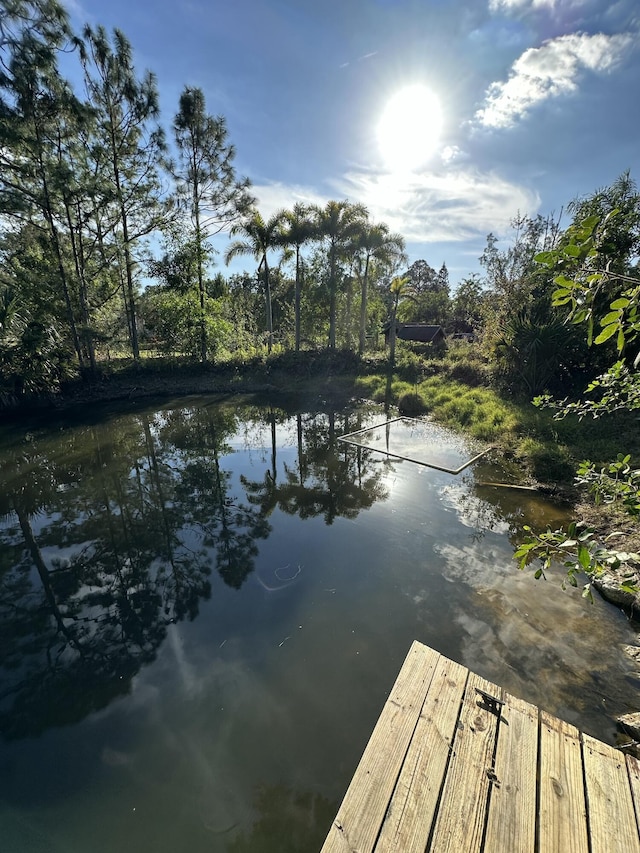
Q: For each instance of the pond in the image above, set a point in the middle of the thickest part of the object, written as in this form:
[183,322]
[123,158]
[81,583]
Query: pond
[203,605]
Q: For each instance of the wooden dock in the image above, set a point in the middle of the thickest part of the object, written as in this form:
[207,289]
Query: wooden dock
[447,768]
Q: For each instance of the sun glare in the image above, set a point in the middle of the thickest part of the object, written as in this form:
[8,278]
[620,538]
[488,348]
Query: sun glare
[409,128]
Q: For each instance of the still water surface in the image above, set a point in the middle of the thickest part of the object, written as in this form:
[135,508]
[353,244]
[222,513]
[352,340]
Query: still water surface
[203,606]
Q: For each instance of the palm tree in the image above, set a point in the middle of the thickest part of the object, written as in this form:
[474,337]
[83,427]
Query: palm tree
[375,242]
[298,228]
[339,223]
[260,237]
[399,288]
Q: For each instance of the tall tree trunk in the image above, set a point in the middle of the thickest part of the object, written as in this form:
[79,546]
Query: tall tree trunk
[55,241]
[130,299]
[297,298]
[349,311]
[392,335]
[332,298]
[363,308]
[267,296]
[200,261]
[75,237]
[332,319]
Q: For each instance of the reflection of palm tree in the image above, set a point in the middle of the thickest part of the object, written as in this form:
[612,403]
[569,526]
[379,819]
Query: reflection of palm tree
[340,485]
[265,494]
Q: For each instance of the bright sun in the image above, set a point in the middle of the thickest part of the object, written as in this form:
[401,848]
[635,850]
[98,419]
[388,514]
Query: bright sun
[409,128]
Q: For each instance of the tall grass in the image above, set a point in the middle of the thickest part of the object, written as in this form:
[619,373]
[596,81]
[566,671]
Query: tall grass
[550,449]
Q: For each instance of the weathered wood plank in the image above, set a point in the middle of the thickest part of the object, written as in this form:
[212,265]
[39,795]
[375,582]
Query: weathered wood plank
[633,769]
[360,816]
[610,811]
[511,827]
[461,817]
[562,817]
[408,821]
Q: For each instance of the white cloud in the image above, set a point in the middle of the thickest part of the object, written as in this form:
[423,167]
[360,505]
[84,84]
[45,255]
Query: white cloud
[452,204]
[443,206]
[275,196]
[549,71]
[508,5]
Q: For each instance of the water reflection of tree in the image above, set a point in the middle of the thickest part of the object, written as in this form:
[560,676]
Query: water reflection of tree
[107,538]
[332,479]
[206,498]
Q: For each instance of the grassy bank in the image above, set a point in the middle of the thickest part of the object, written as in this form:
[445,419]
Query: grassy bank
[458,394]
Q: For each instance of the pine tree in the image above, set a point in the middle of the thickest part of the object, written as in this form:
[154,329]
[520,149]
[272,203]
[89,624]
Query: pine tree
[207,184]
[127,108]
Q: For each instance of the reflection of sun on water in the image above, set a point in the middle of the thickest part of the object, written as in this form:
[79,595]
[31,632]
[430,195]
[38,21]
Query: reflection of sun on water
[409,128]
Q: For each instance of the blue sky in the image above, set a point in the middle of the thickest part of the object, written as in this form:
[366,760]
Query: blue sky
[539,101]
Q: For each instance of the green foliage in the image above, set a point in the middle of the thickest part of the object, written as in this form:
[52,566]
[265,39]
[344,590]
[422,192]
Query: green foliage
[593,266]
[467,305]
[616,482]
[578,549]
[173,326]
[584,275]
[531,349]
[618,390]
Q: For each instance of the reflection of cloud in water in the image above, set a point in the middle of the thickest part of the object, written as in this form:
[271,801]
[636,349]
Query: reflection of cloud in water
[478,566]
[472,511]
[535,639]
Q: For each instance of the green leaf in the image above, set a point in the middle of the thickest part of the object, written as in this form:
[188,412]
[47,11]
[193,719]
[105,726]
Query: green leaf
[523,550]
[619,303]
[566,283]
[590,222]
[584,557]
[607,333]
[547,258]
[620,342]
[611,317]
